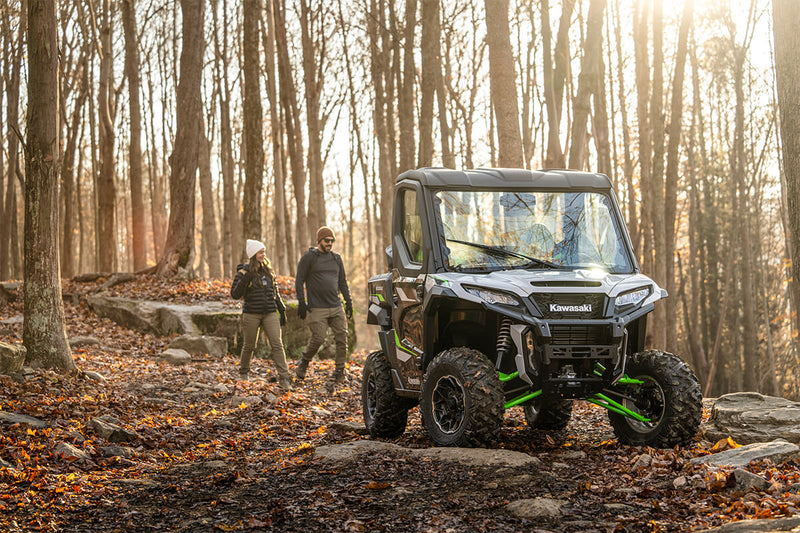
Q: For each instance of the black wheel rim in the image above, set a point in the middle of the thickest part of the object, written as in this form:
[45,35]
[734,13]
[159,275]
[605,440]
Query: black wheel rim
[449,404]
[648,400]
[372,397]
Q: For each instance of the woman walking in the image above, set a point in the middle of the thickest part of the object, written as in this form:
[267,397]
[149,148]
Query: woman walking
[263,310]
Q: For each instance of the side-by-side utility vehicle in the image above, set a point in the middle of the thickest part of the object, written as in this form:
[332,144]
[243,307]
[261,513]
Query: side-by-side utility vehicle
[513,287]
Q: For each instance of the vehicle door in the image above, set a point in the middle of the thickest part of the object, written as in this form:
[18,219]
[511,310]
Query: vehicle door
[408,280]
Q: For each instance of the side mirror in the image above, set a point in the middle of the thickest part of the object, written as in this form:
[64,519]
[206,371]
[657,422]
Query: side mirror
[389,259]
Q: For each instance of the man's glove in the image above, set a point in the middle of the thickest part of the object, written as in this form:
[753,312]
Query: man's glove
[302,310]
[348,309]
[283,317]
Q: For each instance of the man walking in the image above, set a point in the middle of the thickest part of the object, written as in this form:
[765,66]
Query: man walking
[320,279]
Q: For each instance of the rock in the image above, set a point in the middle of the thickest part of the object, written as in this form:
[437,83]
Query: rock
[201,344]
[68,452]
[221,388]
[746,480]
[176,357]
[757,526]
[350,451]
[248,401]
[16,418]
[349,427]
[643,462]
[117,451]
[531,508]
[213,319]
[110,431]
[132,314]
[777,451]
[77,342]
[12,358]
[749,417]
[94,376]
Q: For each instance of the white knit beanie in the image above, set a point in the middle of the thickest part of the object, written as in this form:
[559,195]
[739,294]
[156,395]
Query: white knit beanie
[253,247]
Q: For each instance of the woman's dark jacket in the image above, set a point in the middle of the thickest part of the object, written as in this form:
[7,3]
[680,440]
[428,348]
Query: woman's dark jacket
[260,291]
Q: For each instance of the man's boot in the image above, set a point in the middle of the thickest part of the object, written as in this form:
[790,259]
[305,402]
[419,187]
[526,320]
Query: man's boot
[285,383]
[338,376]
[300,371]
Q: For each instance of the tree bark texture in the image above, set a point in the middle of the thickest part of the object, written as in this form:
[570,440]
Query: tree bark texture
[587,83]
[135,150]
[313,29]
[253,122]
[786,19]
[43,332]
[9,245]
[671,182]
[503,85]
[106,183]
[179,246]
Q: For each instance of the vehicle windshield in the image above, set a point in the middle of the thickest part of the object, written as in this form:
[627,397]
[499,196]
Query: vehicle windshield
[498,230]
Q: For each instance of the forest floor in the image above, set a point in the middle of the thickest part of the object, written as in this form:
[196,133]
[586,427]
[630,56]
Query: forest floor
[207,457]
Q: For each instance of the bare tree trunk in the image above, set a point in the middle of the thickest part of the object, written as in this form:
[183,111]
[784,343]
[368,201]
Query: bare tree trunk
[749,325]
[645,144]
[68,176]
[283,237]
[231,236]
[43,332]
[210,236]
[294,133]
[633,219]
[379,71]
[503,84]
[406,104]
[588,80]
[135,150]
[312,25]
[658,318]
[431,36]
[252,120]
[106,188]
[786,19]
[179,246]
[8,240]
[671,185]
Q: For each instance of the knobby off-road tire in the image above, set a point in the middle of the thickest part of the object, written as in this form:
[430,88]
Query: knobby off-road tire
[462,399]
[551,414]
[670,397]
[385,413]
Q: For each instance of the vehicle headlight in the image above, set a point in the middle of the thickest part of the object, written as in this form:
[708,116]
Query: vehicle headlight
[492,297]
[633,297]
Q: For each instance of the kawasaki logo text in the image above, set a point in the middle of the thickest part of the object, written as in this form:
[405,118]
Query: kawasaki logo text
[557,308]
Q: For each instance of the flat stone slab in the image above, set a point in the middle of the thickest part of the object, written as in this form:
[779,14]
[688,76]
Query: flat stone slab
[749,417]
[16,418]
[777,451]
[355,450]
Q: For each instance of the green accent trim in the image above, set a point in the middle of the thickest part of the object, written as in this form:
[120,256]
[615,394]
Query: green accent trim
[599,369]
[507,377]
[625,380]
[522,399]
[604,401]
[380,297]
[397,342]
[441,281]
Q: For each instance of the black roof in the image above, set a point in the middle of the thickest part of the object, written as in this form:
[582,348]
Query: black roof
[504,178]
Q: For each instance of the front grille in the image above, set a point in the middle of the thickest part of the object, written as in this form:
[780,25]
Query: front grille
[597,301]
[578,334]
